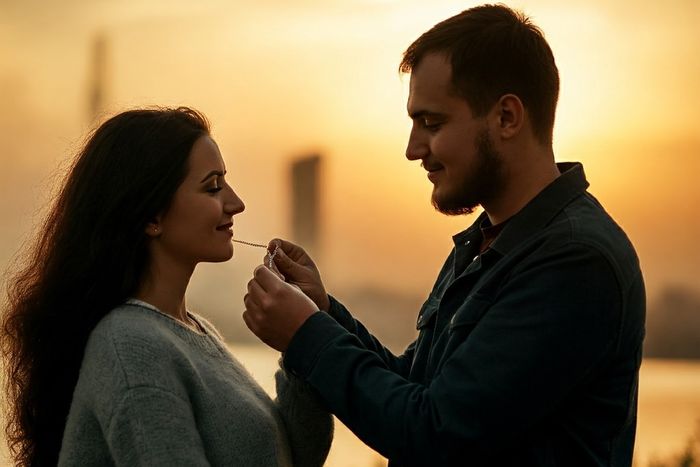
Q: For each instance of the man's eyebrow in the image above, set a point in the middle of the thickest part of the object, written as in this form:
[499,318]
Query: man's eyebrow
[424,113]
[218,173]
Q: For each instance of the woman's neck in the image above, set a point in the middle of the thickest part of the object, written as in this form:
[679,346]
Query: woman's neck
[165,286]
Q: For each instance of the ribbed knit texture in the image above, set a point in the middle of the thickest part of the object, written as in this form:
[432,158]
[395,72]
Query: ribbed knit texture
[152,392]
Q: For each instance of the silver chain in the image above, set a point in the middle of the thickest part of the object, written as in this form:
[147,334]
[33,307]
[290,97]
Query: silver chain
[271,256]
[260,245]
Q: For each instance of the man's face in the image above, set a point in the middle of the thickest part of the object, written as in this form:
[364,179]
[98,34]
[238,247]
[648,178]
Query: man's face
[453,146]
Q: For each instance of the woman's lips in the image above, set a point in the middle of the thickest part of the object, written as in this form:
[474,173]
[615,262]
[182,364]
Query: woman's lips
[227,228]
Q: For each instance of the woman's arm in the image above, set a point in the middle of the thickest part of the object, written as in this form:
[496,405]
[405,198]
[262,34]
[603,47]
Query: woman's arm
[308,424]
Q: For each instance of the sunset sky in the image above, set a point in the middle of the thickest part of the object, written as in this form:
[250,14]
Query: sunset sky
[282,79]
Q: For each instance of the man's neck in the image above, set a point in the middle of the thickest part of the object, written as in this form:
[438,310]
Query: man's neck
[521,186]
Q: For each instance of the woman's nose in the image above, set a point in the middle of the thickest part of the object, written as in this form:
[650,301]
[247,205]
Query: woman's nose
[233,204]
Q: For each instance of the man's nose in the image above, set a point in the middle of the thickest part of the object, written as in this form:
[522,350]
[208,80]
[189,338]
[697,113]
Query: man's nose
[417,148]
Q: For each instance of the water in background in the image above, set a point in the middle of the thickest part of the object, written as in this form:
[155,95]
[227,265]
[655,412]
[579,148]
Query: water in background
[669,409]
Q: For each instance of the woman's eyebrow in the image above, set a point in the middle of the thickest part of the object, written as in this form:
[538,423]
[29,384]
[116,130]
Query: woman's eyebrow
[218,173]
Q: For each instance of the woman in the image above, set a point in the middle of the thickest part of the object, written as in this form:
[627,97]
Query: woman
[105,364]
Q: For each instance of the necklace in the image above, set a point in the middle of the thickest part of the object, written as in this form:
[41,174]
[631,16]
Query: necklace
[271,256]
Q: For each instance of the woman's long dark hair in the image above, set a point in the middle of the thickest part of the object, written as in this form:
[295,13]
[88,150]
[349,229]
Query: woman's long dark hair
[89,256]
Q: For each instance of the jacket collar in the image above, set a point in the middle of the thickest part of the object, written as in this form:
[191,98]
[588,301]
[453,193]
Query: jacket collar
[538,212]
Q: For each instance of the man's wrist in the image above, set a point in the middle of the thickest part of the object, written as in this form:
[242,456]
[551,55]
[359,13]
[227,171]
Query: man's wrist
[308,342]
[326,305]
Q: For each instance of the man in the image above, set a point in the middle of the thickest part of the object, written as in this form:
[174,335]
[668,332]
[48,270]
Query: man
[529,344]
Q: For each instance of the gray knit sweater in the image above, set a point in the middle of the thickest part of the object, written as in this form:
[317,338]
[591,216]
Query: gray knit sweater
[152,392]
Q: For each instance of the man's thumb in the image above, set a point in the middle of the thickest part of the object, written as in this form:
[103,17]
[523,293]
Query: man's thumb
[285,264]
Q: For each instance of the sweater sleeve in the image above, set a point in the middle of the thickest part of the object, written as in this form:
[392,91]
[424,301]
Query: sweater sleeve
[308,423]
[154,427]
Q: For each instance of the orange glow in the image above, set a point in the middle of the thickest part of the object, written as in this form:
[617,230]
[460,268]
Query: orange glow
[281,79]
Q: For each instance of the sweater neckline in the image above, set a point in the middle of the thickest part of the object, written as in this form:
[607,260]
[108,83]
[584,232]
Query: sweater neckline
[192,316]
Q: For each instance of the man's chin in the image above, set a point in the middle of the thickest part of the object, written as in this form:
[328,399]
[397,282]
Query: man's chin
[452,207]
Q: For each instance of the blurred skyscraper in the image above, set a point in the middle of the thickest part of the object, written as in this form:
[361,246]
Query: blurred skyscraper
[98,77]
[306,201]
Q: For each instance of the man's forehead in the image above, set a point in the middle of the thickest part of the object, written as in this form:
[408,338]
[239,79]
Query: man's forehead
[431,83]
[433,70]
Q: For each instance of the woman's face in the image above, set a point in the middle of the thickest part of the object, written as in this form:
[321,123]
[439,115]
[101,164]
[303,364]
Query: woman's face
[198,225]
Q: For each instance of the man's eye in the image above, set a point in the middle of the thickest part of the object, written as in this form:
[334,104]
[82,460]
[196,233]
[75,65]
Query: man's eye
[431,124]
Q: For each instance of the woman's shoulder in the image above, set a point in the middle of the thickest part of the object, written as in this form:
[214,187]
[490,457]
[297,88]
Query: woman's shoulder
[137,345]
[130,349]
[132,325]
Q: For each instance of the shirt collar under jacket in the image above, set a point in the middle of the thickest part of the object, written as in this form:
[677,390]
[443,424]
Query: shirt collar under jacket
[535,215]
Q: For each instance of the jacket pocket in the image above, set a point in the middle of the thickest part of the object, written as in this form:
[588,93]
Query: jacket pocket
[427,313]
[470,312]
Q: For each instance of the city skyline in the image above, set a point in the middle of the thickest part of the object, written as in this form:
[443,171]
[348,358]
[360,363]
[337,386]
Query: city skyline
[283,79]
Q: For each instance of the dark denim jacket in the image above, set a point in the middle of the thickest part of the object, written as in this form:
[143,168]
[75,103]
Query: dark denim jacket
[527,355]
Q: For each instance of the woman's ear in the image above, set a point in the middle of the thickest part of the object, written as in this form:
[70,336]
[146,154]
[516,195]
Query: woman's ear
[153,229]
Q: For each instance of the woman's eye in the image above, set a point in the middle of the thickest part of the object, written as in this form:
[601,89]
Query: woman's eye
[214,189]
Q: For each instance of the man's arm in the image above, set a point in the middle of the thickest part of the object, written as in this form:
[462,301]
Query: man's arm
[297,268]
[555,321]
[399,364]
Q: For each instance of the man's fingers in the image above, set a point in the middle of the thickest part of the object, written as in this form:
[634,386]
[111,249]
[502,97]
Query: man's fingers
[284,263]
[249,322]
[273,266]
[265,278]
[293,251]
[254,296]
[283,245]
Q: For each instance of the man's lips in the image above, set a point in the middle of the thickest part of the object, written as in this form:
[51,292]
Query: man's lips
[431,167]
[433,170]
[433,175]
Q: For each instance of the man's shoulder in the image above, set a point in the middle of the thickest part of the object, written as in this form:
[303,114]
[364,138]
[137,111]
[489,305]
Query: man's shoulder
[586,223]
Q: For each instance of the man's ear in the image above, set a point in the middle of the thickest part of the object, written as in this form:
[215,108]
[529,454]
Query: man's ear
[509,113]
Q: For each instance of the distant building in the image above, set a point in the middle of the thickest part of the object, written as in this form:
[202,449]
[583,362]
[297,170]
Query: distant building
[98,78]
[673,325]
[306,203]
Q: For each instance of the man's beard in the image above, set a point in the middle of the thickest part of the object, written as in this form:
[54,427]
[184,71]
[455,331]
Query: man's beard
[484,181]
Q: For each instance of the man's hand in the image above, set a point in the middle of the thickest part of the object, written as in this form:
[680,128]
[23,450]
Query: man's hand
[298,269]
[275,310]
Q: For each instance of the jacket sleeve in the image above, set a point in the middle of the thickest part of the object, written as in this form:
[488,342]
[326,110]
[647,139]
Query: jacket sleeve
[399,364]
[308,423]
[551,324]
[154,427]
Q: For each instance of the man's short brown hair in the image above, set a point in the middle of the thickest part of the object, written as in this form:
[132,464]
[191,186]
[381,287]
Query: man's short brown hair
[494,51]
